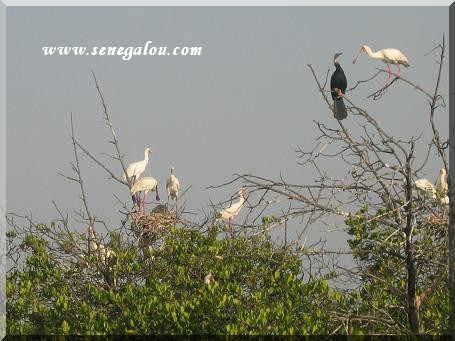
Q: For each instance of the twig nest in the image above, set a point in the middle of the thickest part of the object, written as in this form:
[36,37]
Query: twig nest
[440,224]
[150,228]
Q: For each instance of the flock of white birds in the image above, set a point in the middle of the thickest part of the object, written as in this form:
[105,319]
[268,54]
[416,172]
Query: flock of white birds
[438,191]
[141,186]
[148,184]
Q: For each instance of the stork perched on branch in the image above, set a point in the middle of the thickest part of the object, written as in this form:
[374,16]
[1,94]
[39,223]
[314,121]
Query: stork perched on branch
[135,169]
[388,56]
[173,186]
[230,212]
[104,252]
[438,190]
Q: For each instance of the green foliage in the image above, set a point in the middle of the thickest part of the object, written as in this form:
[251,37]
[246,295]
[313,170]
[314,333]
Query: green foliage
[258,290]
[379,249]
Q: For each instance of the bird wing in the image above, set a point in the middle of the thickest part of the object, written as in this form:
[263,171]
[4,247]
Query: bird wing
[395,56]
[338,80]
[424,185]
[177,184]
[232,210]
[143,184]
[168,185]
[135,188]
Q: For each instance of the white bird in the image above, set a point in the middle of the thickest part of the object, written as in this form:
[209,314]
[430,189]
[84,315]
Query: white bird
[173,186]
[437,191]
[145,185]
[104,252]
[135,169]
[209,278]
[426,186]
[442,187]
[234,209]
[441,183]
[388,56]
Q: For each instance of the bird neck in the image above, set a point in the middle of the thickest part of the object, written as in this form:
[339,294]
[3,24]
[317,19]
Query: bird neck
[92,239]
[442,180]
[371,53]
[146,156]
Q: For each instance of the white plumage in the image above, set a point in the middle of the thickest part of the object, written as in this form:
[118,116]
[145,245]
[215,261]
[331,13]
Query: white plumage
[234,209]
[388,56]
[135,169]
[145,185]
[426,186]
[441,183]
[103,251]
[437,191]
[173,185]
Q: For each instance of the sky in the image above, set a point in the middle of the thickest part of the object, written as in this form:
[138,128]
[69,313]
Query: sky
[244,106]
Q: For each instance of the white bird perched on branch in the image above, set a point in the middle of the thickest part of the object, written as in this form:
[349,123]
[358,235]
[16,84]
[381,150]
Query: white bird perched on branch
[173,186]
[104,252]
[145,185]
[437,191]
[234,209]
[441,183]
[388,56]
[135,169]
[442,187]
[426,186]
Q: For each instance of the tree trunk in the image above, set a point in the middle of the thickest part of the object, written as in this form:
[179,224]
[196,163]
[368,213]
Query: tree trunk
[451,246]
[413,310]
[451,261]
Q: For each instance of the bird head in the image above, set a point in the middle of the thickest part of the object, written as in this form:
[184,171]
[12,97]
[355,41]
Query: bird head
[442,172]
[148,151]
[362,49]
[209,278]
[91,231]
[335,58]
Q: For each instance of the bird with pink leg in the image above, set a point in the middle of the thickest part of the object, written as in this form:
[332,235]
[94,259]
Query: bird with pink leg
[388,56]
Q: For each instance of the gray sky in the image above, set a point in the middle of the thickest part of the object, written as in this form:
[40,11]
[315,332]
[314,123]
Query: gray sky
[244,106]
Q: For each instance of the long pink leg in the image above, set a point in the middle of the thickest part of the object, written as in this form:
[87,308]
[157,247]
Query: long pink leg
[388,77]
[143,203]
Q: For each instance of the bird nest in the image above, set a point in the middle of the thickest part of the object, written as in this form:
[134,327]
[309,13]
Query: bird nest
[438,223]
[153,227]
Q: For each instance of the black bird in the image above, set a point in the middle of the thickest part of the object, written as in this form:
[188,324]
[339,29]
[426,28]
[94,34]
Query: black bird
[338,84]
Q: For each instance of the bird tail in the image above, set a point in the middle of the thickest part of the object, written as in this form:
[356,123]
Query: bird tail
[339,109]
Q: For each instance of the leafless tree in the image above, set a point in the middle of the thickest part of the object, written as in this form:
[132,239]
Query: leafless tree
[377,188]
